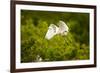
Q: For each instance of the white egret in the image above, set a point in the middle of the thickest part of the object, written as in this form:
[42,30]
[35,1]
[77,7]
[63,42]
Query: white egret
[53,30]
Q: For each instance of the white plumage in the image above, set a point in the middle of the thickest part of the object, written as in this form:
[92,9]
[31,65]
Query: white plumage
[53,30]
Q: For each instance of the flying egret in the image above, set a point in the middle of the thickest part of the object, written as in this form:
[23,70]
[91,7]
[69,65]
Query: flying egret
[53,30]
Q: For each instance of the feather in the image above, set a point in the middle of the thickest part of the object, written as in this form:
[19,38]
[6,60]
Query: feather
[54,30]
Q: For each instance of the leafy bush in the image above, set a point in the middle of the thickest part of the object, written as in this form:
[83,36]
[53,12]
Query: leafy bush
[74,46]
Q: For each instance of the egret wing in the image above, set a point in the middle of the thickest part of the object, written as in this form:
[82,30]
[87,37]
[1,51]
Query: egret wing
[52,30]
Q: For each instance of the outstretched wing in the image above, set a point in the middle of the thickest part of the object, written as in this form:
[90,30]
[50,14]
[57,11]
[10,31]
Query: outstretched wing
[63,28]
[52,30]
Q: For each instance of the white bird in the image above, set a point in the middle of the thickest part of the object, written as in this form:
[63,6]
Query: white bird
[54,30]
[39,59]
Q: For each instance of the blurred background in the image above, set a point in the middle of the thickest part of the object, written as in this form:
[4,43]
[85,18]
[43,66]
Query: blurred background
[34,46]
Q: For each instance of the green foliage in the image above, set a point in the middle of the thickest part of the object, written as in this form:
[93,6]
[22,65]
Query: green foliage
[74,46]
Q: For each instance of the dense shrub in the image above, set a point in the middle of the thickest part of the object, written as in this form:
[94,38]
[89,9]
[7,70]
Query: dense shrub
[74,46]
